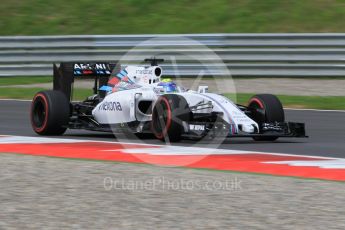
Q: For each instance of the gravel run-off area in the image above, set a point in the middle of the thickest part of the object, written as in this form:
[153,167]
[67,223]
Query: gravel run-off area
[53,193]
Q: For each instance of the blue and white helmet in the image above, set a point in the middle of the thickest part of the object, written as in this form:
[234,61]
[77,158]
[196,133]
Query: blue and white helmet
[168,86]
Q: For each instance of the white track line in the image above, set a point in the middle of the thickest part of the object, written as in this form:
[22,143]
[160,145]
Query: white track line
[231,151]
[8,99]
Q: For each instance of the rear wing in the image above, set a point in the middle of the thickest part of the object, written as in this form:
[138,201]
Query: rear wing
[66,72]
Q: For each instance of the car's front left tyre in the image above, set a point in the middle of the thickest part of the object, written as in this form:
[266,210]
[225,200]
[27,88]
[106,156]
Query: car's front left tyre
[50,112]
[168,115]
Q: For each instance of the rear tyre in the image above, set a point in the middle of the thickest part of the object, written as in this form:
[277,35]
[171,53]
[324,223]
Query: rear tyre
[168,115]
[272,111]
[50,113]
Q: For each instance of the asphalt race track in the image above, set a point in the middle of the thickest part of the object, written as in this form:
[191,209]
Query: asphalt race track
[58,193]
[326,131]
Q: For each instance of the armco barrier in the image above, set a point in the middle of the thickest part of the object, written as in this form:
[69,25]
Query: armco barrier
[290,55]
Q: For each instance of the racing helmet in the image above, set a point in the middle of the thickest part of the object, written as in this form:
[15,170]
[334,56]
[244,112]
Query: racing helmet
[168,86]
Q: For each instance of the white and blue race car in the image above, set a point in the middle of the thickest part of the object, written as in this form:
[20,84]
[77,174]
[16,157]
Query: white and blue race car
[135,99]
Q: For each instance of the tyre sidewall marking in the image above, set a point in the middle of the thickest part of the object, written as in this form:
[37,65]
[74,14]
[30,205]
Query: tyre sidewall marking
[257,101]
[168,122]
[44,99]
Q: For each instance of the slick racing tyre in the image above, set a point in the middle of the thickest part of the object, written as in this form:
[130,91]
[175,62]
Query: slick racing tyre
[168,115]
[272,111]
[50,112]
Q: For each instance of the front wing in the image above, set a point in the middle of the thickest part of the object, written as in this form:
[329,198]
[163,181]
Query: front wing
[277,129]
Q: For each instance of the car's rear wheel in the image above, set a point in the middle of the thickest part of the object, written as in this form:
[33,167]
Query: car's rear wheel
[168,115]
[50,112]
[272,111]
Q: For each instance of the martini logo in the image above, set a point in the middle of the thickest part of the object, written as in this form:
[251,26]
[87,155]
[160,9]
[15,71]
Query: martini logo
[97,66]
[91,69]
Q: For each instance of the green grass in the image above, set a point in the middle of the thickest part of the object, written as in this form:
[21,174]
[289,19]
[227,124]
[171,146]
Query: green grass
[309,102]
[24,80]
[41,17]
[28,93]
[306,102]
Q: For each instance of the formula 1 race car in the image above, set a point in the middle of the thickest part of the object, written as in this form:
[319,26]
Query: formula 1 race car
[135,99]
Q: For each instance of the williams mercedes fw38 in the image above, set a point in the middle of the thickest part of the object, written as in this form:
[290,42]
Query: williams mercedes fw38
[134,99]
